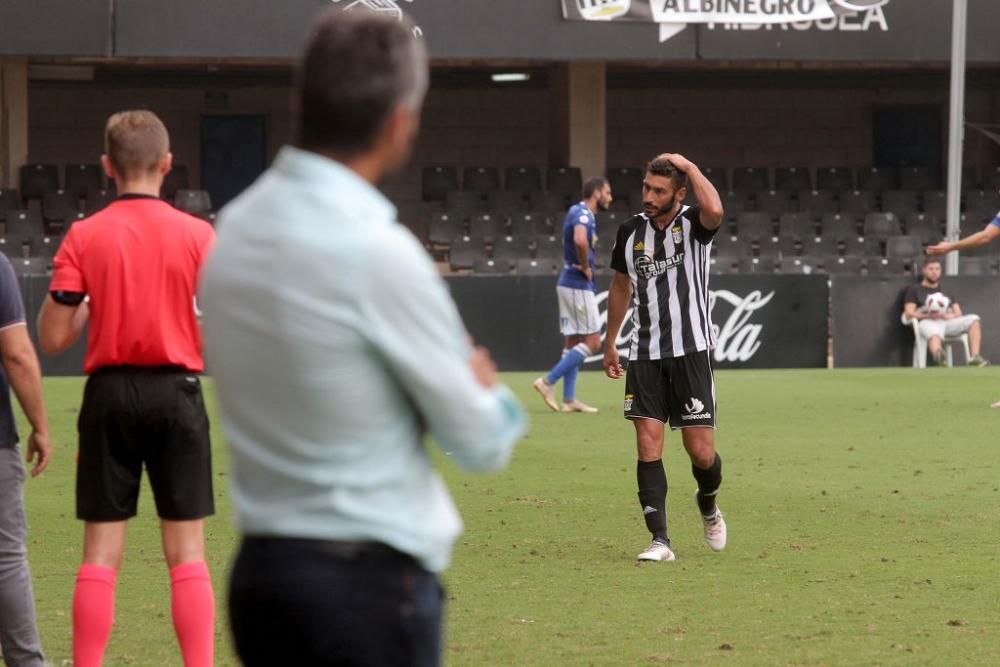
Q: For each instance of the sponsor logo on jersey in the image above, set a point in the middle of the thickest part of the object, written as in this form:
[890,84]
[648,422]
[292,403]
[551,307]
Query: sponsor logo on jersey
[639,246]
[646,267]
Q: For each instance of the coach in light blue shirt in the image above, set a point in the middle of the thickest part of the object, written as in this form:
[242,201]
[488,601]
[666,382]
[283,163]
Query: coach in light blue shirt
[336,349]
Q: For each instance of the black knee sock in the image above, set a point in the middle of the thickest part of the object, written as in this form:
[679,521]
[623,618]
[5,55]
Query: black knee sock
[709,482]
[653,496]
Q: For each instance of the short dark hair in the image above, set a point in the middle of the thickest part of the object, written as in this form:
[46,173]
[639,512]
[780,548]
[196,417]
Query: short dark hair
[593,185]
[356,69]
[931,260]
[661,166]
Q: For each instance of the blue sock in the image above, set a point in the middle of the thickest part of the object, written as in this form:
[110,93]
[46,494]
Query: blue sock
[569,384]
[572,360]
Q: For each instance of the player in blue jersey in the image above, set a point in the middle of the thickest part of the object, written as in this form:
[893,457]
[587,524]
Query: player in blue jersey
[579,320]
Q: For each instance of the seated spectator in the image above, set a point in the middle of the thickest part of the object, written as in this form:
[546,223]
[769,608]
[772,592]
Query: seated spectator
[939,316]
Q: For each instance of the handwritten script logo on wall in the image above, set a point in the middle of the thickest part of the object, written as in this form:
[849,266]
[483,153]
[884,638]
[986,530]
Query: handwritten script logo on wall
[386,7]
[737,339]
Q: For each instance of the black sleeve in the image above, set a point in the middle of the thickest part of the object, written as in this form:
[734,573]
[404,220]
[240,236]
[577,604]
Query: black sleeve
[702,234]
[67,298]
[618,250]
[910,295]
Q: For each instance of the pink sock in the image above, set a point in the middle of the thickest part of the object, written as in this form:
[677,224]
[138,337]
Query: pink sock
[93,614]
[193,604]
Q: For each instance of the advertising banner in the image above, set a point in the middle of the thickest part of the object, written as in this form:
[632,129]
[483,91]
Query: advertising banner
[758,321]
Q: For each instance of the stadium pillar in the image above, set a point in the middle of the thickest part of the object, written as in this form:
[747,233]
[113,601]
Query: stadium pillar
[956,126]
[13,119]
[578,126]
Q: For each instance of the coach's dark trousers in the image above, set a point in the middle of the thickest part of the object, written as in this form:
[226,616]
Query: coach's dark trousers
[312,602]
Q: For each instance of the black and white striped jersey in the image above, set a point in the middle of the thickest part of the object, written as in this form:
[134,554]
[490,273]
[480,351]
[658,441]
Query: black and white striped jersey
[669,272]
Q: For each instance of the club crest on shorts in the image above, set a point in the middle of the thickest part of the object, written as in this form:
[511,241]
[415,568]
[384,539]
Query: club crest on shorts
[628,402]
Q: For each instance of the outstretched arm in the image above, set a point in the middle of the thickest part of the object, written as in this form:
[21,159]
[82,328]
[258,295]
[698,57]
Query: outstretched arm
[988,234]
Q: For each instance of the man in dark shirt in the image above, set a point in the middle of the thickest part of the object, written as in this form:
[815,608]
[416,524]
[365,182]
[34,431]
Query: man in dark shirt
[938,316]
[18,632]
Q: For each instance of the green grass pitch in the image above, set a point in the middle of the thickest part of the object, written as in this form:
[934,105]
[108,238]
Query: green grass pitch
[864,528]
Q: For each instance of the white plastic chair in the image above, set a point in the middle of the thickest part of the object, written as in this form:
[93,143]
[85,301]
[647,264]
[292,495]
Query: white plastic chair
[920,344]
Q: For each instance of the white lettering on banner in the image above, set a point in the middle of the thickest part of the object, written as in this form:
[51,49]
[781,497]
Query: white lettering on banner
[737,340]
[673,16]
[389,8]
[739,11]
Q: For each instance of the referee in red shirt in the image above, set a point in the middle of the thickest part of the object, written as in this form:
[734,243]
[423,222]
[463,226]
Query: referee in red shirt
[133,269]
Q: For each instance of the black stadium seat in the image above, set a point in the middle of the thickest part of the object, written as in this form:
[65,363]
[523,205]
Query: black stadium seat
[480,179]
[98,200]
[624,180]
[903,246]
[565,181]
[834,179]
[750,179]
[876,179]
[444,227]
[523,180]
[37,179]
[437,181]
[792,179]
[82,178]
[60,209]
[916,178]
[195,202]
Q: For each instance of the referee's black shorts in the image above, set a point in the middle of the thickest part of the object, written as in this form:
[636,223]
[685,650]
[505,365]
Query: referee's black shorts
[134,416]
[676,390]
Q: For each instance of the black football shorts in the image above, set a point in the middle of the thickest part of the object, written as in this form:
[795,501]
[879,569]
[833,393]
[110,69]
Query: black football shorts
[133,417]
[676,390]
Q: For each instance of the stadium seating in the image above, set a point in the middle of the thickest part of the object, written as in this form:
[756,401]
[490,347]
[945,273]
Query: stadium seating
[799,224]
[510,248]
[906,247]
[899,202]
[37,179]
[834,179]
[480,179]
[486,227]
[549,248]
[464,204]
[10,200]
[843,265]
[858,203]
[26,266]
[982,202]
[528,224]
[881,226]
[444,227]
[549,202]
[624,180]
[805,265]
[935,203]
[976,266]
[484,266]
[463,253]
[80,179]
[534,267]
[754,226]
[523,180]
[924,226]
[437,181]
[792,179]
[839,225]
[817,203]
[195,202]
[565,181]
[97,200]
[505,202]
[774,202]
[876,179]
[24,225]
[750,179]
[916,178]
[717,176]
[60,209]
